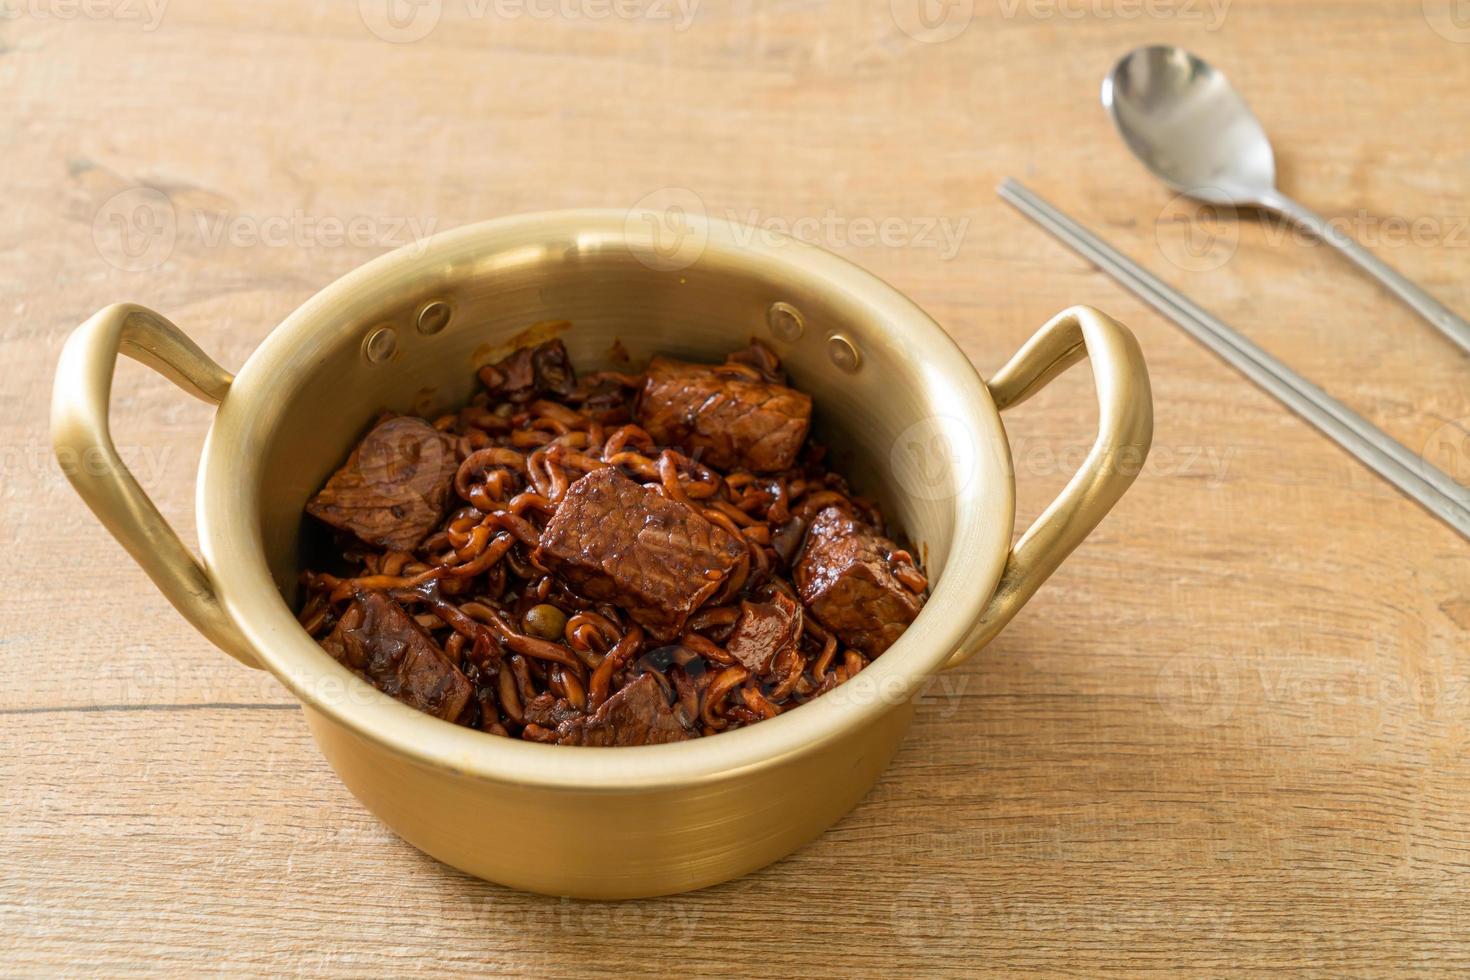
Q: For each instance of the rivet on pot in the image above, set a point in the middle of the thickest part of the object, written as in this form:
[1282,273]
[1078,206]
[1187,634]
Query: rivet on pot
[434,317]
[785,321]
[844,353]
[380,345]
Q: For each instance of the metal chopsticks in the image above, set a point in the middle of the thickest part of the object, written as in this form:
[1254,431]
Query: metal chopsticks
[1415,476]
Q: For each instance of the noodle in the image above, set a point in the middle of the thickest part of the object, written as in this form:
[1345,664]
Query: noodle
[538,652]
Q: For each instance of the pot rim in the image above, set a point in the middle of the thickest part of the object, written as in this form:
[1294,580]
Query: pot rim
[227,508]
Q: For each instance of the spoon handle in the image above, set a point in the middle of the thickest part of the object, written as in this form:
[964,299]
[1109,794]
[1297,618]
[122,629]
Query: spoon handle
[1431,309]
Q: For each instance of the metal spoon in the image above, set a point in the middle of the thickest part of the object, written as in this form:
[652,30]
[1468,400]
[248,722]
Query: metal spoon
[1182,119]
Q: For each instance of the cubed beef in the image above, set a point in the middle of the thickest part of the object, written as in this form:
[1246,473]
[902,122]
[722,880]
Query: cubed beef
[638,714]
[549,711]
[845,575]
[394,488]
[378,640]
[763,630]
[531,372]
[615,541]
[723,416]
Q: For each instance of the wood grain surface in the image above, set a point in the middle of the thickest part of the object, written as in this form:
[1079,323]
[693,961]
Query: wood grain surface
[1230,735]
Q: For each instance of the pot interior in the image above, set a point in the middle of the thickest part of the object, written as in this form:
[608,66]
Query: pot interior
[910,424]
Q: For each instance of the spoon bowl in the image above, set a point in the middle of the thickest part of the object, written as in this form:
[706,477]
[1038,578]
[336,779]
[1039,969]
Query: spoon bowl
[1185,122]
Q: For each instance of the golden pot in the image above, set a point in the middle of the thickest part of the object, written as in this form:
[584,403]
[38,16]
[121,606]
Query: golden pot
[908,418]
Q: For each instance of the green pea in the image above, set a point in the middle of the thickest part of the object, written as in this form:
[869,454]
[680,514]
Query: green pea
[545,621]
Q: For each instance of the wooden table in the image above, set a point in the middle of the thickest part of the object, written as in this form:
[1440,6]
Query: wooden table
[1231,733]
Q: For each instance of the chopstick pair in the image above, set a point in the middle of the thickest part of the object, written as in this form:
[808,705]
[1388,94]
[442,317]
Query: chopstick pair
[1415,476]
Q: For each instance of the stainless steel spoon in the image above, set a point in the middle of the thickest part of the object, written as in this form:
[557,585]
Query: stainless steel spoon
[1182,119]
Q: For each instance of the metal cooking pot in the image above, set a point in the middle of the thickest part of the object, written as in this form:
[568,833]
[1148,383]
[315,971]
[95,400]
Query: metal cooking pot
[909,420]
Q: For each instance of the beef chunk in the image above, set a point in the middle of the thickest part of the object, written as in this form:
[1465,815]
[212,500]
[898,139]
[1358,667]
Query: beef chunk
[719,412]
[638,714]
[394,487]
[549,711]
[763,630]
[615,541]
[379,641]
[845,577]
[531,372]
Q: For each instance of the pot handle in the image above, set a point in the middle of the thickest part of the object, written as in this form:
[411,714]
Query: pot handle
[82,440]
[1125,430]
